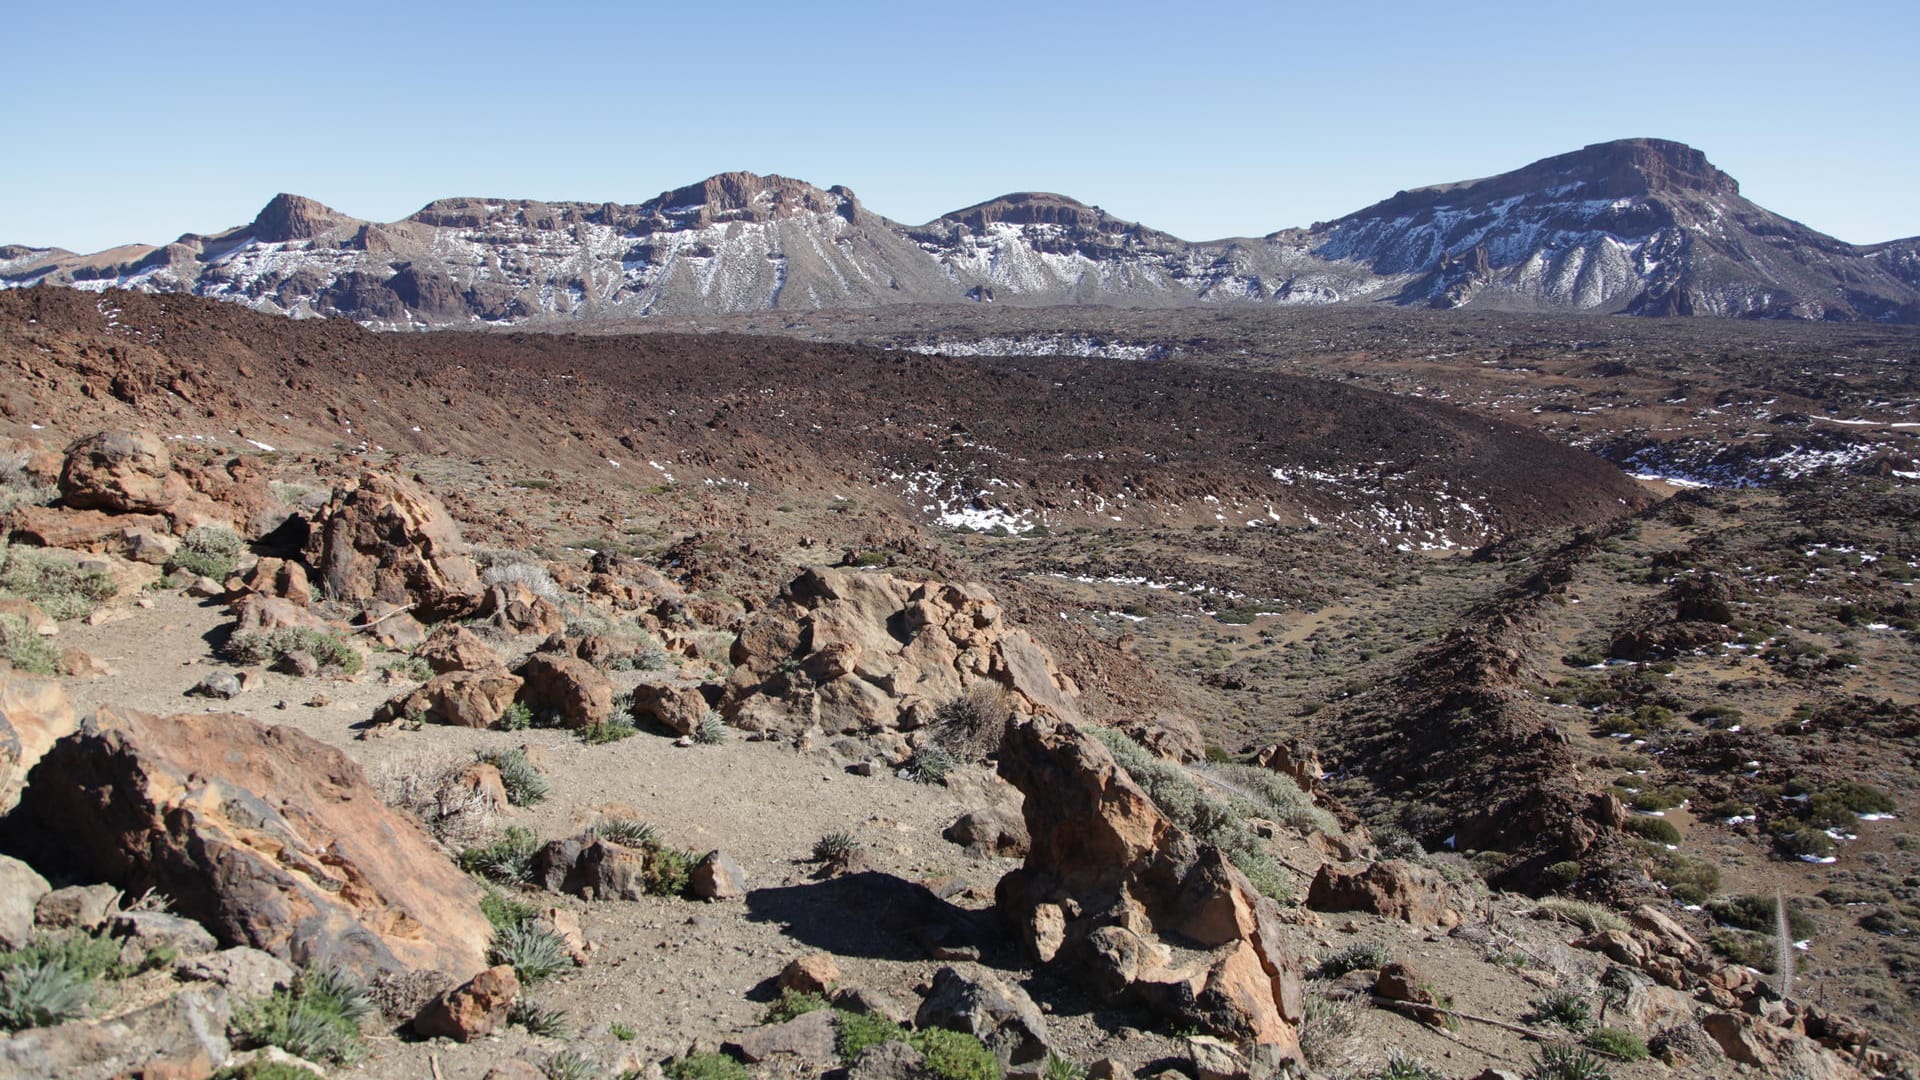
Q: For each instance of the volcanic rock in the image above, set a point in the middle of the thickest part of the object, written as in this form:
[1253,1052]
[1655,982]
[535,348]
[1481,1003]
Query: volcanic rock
[34,714]
[385,538]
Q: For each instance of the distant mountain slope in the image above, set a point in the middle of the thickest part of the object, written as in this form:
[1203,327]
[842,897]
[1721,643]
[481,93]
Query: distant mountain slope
[1640,226]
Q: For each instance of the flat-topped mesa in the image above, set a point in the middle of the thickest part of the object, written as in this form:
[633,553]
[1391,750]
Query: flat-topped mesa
[293,217]
[1029,208]
[745,196]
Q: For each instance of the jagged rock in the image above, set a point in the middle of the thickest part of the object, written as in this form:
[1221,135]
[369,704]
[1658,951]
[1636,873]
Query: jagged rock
[76,530]
[565,925]
[893,1060]
[1618,945]
[1212,1059]
[1295,761]
[1171,735]
[514,607]
[593,868]
[21,889]
[814,973]
[257,613]
[34,714]
[1391,887]
[1122,875]
[284,579]
[808,1037]
[993,831]
[566,687]
[146,931]
[1738,1039]
[247,973]
[455,648]
[471,1010]
[1672,938]
[475,699]
[387,539]
[870,1002]
[121,472]
[80,907]
[677,709]
[878,652]
[221,685]
[325,873]
[1108,1069]
[997,1013]
[718,877]
[1400,981]
[184,1033]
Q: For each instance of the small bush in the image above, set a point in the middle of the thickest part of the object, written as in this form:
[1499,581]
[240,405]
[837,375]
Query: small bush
[1760,915]
[1748,949]
[1326,1032]
[1621,1044]
[792,1003]
[954,1055]
[854,1032]
[61,589]
[836,846]
[1404,1066]
[711,731]
[1806,843]
[41,995]
[930,765]
[1567,1063]
[319,1019]
[626,832]
[270,647]
[537,1019]
[616,727]
[1565,1009]
[1060,1068]
[88,956]
[411,668]
[669,872]
[1589,917]
[536,954]
[1658,830]
[517,717]
[508,859]
[27,651]
[525,786]
[209,551]
[503,911]
[1360,956]
[567,1065]
[705,1066]
[1688,879]
[1561,874]
[623,1032]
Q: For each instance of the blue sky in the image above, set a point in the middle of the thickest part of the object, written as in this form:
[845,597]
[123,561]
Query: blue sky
[138,122]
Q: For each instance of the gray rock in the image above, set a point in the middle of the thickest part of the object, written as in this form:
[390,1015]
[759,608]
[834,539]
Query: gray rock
[247,972]
[808,1037]
[221,684]
[146,931]
[82,907]
[21,888]
[718,877]
[887,1061]
[997,1013]
[187,1029]
[870,1002]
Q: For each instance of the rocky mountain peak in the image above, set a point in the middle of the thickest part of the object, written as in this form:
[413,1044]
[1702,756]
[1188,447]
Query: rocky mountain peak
[1626,168]
[293,217]
[1028,208]
[745,196]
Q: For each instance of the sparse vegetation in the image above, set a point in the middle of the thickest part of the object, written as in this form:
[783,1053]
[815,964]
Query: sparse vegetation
[1559,1062]
[411,668]
[538,1019]
[272,647]
[854,1032]
[930,765]
[836,846]
[516,717]
[1404,1066]
[614,728]
[62,589]
[569,1065]
[711,731]
[1564,1008]
[1618,1042]
[209,551]
[39,995]
[1359,956]
[1327,1031]
[705,1066]
[535,953]
[319,1019]
[627,832]
[792,1003]
[523,783]
[27,651]
[508,859]
[1589,917]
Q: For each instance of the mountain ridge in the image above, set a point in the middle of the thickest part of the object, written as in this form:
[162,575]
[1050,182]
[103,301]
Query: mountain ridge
[1633,226]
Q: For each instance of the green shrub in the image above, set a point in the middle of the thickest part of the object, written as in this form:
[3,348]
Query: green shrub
[1620,1043]
[1589,917]
[536,954]
[954,1055]
[86,955]
[61,589]
[262,1069]
[1273,795]
[792,1003]
[42,994]
[1359,956]
[524,784]
[711,731]
[209,551]
[1560,874]
[537,1019]
[567,1065]
[930,765]
[508,859]
[1326,1031]
[1567,1063]
[1060,1068]
[1689,879]
[854,1032]
[503,911]
[1404,1066]
[669,872]
[1760,915]
[1804,843]
[27,651]
[319,1019]
[517,717]
[705,1066]
[411,668]
[626,832]
[836,846]
[623,1032]
[1563,1008]
[616,727]
[1757,951]
[1658,830]
[271,647]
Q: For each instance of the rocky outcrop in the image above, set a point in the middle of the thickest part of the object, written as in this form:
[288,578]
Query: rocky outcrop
[121,473]
[34,714]
[475,699]
[270,839]
[1391,887]
[386,539]
[1126,902]
[472,1010]
[567,689]
[864,652]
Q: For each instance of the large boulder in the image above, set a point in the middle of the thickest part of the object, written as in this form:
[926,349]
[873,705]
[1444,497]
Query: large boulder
[121,472]
[1391,887]
[861,652]
[387,539]
[1118,896]
[475,699]
[34,714]
[566,688]
[269,838]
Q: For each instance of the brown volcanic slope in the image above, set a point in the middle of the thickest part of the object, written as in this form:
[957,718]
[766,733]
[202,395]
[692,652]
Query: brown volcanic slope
[1053,441]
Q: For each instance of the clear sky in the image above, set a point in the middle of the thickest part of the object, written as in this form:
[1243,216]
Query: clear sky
[137,122]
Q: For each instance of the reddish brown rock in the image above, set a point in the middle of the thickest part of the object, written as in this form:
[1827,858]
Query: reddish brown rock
[677,709]
[34,714]
[1393,888]
[385,538]
[267,837]
[121,472]
[472,1010]
[566,687]
[814,973]
[78,530]
[456,648]
[475,699]
[283,578]
[1293,760]
[515,608]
